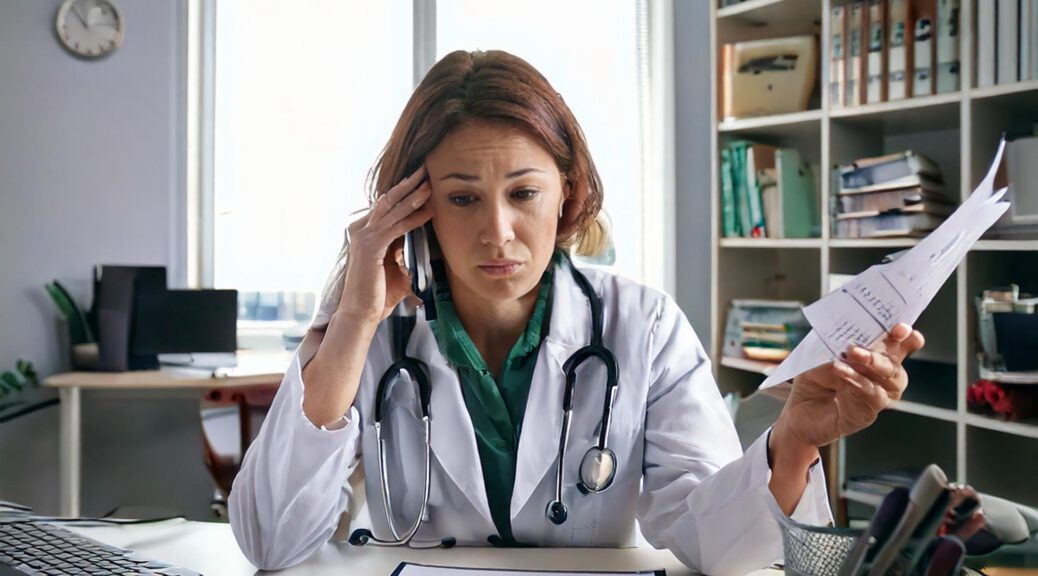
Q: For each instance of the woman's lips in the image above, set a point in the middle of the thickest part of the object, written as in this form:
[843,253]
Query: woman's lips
[500,267]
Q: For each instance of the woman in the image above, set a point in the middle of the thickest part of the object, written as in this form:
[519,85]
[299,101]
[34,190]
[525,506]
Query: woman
[490,154]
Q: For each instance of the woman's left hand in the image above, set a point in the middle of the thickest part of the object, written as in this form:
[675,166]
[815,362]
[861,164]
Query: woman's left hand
[845,396]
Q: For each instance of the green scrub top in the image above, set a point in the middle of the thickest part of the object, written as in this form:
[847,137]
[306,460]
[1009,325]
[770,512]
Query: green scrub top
[496,407]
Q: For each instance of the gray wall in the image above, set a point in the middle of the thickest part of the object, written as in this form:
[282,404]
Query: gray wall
[91,171]
[692,103]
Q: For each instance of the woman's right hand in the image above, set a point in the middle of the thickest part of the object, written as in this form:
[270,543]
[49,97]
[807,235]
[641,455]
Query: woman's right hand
[376,279]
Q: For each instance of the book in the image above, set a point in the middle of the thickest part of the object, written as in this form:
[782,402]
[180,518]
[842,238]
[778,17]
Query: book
[927,207]
[948,65]
[725,99]
[909,181]
[759,317]
[758,158]
[882,169]
[856,60]
[923,83]
[899,51]
[1007,53]
[885,200]
[987,23]
[728,222]
[742,202]
[837,57]
[769,195]
[890,224]
[876,83]
[1033,43]
[1026,38]
[797,194]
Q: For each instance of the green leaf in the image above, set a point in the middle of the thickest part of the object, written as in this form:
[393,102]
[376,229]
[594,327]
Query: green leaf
[13,382]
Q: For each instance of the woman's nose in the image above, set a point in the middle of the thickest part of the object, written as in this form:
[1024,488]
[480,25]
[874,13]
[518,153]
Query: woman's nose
[497,230]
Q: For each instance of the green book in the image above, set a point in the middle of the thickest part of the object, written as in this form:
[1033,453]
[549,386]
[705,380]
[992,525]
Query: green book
[728,224]
[797,194]
[741,187]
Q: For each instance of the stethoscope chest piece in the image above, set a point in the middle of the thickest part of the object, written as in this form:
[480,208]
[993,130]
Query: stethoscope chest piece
[597,470]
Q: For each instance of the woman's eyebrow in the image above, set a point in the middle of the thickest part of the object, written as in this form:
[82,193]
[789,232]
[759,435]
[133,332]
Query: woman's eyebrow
[474,178]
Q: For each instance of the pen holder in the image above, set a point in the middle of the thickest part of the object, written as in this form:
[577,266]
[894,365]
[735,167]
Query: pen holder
[814,550]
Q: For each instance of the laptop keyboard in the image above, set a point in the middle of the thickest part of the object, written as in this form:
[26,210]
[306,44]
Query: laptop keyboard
[33,547]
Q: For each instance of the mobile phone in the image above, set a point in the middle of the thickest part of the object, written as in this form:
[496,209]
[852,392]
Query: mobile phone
[420,252]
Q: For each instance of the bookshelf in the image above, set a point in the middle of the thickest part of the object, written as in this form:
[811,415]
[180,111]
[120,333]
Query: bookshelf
[960,131]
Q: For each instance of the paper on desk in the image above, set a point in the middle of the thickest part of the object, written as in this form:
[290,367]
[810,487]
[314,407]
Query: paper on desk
[409,569]
[865,308]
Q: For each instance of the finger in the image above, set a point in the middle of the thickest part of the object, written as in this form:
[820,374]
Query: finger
[861,387]
[358,223]
[880,368]
[913,343]
[406,207]
[412,221]
[397,193]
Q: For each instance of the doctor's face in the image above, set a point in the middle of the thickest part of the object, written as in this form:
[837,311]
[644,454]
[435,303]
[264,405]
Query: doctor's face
[496,193]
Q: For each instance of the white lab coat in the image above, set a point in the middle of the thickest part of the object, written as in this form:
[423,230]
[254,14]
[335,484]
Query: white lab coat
[682,473]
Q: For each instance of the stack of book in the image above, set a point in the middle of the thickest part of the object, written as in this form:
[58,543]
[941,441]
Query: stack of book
[766,330]
[891,49]
[767,192]
[900,194]
[881,484]
[1007,41]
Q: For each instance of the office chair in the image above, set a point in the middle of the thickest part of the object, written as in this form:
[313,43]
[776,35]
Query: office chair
[230,421]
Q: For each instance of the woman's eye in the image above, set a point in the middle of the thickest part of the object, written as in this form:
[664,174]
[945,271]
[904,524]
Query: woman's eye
[462,199]
[525,193]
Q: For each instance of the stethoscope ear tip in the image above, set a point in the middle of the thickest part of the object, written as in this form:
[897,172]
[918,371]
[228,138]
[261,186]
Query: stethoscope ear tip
[360,537]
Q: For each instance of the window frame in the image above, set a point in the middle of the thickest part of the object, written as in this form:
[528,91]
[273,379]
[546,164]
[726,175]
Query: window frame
[657,118]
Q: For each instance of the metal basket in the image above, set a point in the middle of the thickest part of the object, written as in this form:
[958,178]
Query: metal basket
[814,550]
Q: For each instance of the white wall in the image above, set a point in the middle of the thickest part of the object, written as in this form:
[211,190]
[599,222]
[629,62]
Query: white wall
[90,172]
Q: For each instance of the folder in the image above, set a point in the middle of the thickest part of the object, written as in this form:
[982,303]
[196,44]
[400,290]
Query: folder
[796,187]
[856,54]
[876,89]
[773,76]
[837,58]
[986,42]
[1008,50]
[923,77]
[948,66]
[899,51]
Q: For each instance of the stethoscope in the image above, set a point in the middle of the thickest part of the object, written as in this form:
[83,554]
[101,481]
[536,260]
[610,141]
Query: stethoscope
[597,468]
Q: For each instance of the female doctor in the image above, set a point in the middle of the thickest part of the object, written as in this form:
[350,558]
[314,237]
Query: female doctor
[489,153]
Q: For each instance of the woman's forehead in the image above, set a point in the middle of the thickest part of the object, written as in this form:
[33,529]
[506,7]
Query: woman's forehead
[489,147]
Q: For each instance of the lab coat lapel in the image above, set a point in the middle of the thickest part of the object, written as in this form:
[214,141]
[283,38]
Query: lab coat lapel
[453,438]
[569,331]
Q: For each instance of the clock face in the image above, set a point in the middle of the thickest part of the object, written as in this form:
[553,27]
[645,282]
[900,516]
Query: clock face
[90,28]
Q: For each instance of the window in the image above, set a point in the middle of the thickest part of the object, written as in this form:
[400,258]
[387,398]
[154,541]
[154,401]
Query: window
[300,101]
[305,98]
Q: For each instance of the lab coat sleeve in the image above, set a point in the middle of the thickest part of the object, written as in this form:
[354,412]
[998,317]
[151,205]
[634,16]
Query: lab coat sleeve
[702,498]
[286,500]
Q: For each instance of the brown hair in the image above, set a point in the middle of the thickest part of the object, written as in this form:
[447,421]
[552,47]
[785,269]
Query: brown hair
[497,86]
[491,86]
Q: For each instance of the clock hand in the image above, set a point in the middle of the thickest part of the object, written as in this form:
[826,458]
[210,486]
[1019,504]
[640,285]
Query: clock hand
[75,8]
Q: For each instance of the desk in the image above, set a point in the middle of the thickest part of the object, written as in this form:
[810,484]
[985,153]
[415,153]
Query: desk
[210,548]
[254,369]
